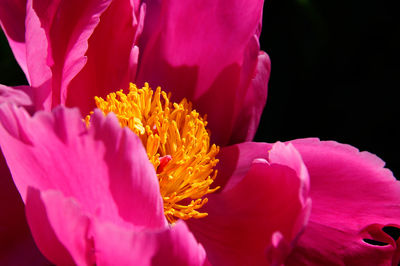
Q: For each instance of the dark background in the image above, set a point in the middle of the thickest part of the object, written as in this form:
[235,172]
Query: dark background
[335,73]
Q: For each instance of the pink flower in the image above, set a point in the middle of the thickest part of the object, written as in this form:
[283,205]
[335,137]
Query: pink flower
[92,195]
[90,200]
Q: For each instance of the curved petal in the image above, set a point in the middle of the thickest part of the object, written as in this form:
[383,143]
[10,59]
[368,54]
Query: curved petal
[255,97]
[254,222]
[67,235]
[177,35]
[354,198]
[171,246]
[236,160]
[37,56]
[105,168]
[12,21]
[16,95]
[56,42]
[111,56]
[59,227]
[15,237]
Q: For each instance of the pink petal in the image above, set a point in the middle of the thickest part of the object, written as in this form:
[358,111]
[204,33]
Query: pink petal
[56,42]
[12,21]
[17,95]
[37,55]
[197,50]
[172,246]
[255,97]
[245,221]
[279,249]
[354,197]
[69,59]
[111,59]
[105,168]
[67,235]
[236,160]
[59,227]
[15,237]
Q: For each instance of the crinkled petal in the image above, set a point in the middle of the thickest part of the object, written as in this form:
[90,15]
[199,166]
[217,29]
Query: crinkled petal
[105,168]
[111,56]
[15,237]
[177,35]
[12,21]
[354,198]
[255,221]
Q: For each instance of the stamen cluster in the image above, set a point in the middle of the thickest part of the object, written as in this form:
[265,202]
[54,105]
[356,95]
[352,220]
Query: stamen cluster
[177,144]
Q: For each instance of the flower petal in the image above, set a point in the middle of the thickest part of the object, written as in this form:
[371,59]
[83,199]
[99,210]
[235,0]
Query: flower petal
[37,56]
[56,42]
[111,56]
[171,246]
[58,226]
[105,168]
[248,221]
[175,39]
[15,237]
[255,97]
[12,21]
[236,160]
[67,235]
[17,95]
[354,198]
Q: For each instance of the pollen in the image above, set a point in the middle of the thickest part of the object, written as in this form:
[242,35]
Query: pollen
[177,144]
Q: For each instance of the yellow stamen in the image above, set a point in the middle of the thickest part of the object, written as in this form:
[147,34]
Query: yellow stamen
[177,144]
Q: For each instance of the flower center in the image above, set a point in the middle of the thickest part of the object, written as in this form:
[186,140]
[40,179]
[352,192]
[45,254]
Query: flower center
[177,144]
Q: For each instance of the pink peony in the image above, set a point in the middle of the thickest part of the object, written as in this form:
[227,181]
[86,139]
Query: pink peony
[91,195]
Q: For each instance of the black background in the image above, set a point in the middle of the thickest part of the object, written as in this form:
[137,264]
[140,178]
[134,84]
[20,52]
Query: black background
[335,73]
